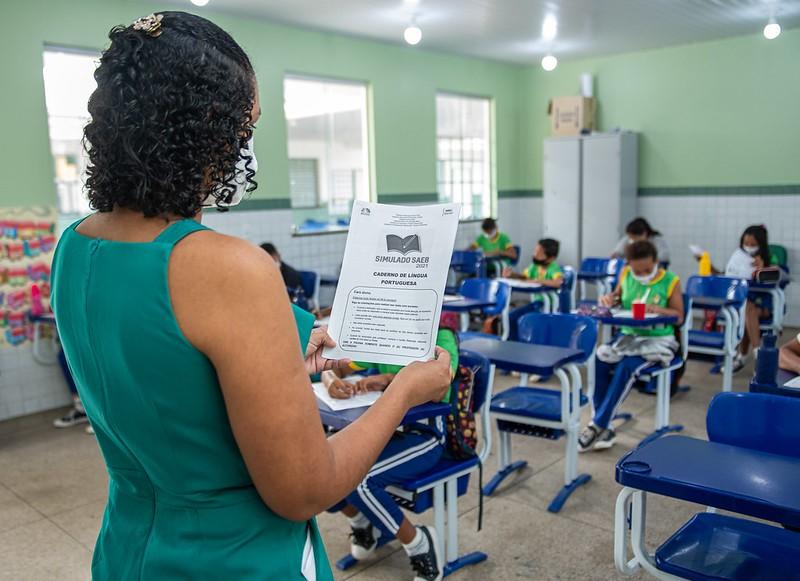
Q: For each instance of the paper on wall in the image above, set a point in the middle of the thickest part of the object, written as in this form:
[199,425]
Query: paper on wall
[390,291]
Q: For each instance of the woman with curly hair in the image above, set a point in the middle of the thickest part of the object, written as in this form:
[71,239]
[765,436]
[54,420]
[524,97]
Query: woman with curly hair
[189,360]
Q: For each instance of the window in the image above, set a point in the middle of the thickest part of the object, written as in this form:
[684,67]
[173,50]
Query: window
[328,148]
[68,83]
[463,153]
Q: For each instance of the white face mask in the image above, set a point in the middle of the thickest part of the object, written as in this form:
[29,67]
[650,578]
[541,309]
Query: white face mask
[751,250]
[491,234]
[647,277]
[239,178]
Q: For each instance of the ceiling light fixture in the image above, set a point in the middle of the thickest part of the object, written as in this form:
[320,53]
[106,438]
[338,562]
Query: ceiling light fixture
[772,30]
[412,35]
[549,28]
[549,63]
[199,2]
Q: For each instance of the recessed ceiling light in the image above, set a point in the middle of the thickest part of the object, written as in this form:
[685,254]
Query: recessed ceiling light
[549,27]
[772,30]
[199,2]
[412,34]
[549,63]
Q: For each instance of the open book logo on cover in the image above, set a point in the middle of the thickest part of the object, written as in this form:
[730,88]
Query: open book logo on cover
[405,245]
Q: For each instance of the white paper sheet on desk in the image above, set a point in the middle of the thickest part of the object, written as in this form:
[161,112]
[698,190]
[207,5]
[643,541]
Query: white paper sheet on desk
[390,291]
[793,383]
[357,401]
[629,315]
[452,298]
[518,282]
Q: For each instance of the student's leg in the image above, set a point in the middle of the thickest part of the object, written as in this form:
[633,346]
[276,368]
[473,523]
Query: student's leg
[603,373]
[406,455]
[617,390]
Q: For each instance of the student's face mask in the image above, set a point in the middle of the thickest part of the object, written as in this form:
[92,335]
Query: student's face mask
[491,233]
[751,250]
[239,181]
[647,278]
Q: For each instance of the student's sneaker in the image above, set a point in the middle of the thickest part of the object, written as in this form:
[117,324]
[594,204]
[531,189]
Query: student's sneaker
[90,430]
[73,418]
[588,437]
[607,439]
[427,566]
[363,542]
[739,361]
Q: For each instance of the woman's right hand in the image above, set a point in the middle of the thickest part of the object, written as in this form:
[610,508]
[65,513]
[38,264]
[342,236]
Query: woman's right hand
[422,382]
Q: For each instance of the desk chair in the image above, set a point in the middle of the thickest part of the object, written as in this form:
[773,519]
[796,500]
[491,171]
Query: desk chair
[610,267]
[712,546]
[544,412]
[469,264]
[309,280]
[518,248]
[441,486]
[727,296]
[663,376]
[499,293]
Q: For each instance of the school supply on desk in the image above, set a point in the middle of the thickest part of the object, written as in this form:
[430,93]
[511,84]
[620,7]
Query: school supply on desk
[357,401]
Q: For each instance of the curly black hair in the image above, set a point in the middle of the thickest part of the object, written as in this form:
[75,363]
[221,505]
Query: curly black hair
[169,118]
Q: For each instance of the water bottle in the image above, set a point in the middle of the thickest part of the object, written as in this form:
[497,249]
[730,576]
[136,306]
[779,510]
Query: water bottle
[767,364]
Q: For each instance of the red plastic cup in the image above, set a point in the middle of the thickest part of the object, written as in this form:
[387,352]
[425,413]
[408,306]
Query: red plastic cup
[639,309]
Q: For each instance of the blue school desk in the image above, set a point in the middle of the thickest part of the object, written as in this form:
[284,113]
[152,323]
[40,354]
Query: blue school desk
[745,481]
[549,295]
[554,415]
[463,305]
[328,280]
[340,419]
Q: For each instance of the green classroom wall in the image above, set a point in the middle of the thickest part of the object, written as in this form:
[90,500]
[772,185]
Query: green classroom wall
[721,113]
[403,81]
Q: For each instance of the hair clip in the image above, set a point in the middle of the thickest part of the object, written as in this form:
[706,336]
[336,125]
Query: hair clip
[150,25]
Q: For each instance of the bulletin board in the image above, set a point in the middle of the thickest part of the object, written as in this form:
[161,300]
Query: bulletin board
[27,242]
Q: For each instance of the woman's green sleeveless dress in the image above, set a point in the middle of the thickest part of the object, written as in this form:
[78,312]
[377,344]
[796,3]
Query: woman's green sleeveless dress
[181,503]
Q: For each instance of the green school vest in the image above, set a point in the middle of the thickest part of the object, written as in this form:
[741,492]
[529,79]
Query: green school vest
[661,289]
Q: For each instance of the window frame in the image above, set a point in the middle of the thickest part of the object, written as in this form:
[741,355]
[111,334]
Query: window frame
[490,164]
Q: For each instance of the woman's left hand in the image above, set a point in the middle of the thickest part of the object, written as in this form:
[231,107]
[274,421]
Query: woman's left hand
[315,362]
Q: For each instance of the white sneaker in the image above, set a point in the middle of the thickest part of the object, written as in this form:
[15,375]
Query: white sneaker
[90,430]
[363,542]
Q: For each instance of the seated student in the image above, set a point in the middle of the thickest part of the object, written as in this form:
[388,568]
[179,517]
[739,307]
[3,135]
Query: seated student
[640,229]
[291,278]
[413,450]
[494,244]
[789,357]
[753,253]
[618,365]
[543,269]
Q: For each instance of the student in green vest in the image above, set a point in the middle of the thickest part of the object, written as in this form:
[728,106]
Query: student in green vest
[495,245]
[641,279]
[412,451]
[190,362]
[544,268]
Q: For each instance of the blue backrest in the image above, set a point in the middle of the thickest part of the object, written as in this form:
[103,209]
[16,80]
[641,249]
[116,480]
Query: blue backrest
[467,261]
[723,288]
[482,365]
[559,330]
[758,421]
[518,248]
[565,293]
[308,280]
[487,289]
[597,265]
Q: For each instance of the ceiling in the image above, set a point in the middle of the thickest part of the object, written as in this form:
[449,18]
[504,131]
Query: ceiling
[511,30]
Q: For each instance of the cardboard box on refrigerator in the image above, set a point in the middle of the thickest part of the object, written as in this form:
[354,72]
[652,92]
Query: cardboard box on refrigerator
[571,115]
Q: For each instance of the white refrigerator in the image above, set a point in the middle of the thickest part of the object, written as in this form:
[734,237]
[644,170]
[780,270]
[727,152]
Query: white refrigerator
[590,184]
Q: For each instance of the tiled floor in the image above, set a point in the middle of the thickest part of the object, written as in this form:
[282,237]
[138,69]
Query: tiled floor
[53,486]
